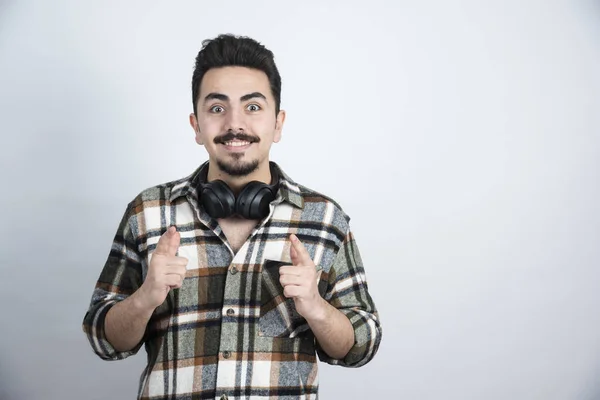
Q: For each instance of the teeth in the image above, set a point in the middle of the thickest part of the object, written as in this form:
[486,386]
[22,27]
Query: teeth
[236,143]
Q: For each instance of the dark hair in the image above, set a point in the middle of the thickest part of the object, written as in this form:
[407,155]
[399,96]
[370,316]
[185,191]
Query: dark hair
[229,50]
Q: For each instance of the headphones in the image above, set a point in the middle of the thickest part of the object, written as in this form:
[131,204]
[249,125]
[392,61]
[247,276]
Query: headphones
[218,200]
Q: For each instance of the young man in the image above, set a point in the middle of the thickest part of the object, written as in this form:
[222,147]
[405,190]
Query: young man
[234,278]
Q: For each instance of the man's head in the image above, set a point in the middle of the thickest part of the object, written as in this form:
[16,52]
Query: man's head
[236,91]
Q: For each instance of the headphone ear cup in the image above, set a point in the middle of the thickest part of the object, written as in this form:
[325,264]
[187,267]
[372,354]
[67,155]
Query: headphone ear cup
[253,201]
[217,199]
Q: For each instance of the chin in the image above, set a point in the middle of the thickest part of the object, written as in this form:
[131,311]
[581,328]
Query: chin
[238,168]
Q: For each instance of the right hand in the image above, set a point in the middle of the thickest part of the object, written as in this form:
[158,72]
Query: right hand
[165,272]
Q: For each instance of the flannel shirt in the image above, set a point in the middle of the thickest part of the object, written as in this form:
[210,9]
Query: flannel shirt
[229,332]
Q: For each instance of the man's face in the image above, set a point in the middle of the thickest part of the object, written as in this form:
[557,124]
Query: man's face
[236,119]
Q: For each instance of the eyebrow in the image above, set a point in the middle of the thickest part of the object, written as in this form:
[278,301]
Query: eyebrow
[253,95]
[224,97]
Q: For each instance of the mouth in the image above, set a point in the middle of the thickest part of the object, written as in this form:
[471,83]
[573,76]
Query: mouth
[236,145]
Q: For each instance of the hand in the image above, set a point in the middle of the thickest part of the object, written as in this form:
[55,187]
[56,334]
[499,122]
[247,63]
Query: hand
[300,281]
[165,272]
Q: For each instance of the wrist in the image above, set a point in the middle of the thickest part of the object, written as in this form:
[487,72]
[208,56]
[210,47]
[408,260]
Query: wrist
[140,305]
[319,312]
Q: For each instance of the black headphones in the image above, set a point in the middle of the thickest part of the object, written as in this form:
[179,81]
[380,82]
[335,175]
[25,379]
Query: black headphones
[218,200]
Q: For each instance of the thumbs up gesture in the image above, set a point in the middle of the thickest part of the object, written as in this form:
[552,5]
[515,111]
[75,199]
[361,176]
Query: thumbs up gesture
[165,272]
[300,281]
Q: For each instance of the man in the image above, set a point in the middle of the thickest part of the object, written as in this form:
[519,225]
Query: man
[235,278]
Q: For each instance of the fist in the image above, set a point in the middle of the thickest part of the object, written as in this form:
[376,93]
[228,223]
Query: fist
[165,272]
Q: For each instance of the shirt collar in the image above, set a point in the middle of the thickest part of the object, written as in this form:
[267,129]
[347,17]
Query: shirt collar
[288,189]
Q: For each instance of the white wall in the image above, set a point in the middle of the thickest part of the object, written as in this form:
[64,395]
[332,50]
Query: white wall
[463,137]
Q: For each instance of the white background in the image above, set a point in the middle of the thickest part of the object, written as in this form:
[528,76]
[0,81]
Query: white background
[462,137]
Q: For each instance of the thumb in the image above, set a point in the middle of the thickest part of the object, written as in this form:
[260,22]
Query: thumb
[298,253]
[168,244]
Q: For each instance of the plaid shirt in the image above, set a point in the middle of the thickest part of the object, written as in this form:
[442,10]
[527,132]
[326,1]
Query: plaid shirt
[229,332]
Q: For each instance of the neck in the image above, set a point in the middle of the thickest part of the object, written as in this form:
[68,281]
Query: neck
[236,183]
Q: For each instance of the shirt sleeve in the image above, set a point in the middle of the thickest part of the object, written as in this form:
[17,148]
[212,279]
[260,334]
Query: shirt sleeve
[120,277]
[348,292]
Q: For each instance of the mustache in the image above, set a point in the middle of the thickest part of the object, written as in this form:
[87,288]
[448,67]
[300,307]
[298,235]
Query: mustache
[235,136]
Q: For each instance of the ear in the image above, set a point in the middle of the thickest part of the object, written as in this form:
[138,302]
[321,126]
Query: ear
[279,126]
[196,128]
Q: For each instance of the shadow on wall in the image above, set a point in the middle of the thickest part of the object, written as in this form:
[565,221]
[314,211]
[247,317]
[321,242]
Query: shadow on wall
[594,12]
[8,383]
[591,390]
[5,6]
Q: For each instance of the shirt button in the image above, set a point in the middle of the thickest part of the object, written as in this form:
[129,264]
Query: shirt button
[230,312]
[226,354]
[233,270]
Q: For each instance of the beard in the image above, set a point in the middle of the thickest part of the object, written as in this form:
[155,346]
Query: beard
[236,167]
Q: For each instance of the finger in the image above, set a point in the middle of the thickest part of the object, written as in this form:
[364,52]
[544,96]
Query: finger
[174,241]
[293,255]
[298,252]
[173,280]
[182,271]
[168,243]
[175,260]
[162,247]
[291,280]
[292,291]
[175,269]
[290,270]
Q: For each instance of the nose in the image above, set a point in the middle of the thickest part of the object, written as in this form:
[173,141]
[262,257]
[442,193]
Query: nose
[235,121]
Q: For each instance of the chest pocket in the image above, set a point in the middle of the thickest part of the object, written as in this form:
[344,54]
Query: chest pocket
[278,315]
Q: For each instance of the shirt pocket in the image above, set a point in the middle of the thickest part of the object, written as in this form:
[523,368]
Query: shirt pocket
[278,315]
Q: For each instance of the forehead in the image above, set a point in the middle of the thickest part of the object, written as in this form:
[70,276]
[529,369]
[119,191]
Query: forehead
[235,82]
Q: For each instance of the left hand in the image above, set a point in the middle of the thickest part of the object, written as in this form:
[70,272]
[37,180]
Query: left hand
[300,281]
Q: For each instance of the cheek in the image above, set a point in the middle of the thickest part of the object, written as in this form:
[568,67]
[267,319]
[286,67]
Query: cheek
[209,128]
[265,126]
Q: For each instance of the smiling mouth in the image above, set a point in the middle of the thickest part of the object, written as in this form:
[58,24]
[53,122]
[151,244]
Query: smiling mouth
[236,143]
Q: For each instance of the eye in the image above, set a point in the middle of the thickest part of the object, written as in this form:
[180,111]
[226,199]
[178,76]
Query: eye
[253,107]
[216,109]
